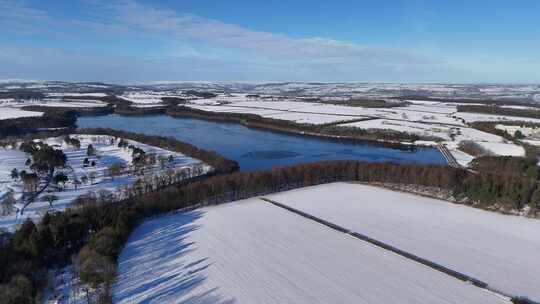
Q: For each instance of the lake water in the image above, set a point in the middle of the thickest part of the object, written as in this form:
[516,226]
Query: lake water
[257,149]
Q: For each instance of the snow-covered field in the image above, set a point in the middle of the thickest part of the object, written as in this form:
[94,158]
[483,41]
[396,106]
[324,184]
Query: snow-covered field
[8,113]
[472,117]
[253,252]
[148,97]
[68,94]
[69,104]
[403,126]
[420,117]
[108,153]
[142,98]
[503,149]
[499,249]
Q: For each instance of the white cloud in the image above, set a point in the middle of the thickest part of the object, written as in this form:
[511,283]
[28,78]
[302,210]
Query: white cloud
[181,26]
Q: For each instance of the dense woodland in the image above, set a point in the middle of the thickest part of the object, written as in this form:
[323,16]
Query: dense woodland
[22,94]
[93,233]
[128,109]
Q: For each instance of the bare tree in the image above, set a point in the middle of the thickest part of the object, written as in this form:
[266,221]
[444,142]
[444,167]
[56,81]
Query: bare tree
[50,198]
[92,175]
[8,203]
[77,183]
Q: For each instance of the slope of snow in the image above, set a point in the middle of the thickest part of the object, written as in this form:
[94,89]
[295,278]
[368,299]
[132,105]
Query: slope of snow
[76,94]
[503,149]
[310,118]
[462,158]
[499,249]
[70,104]
[253,252]
[8,113]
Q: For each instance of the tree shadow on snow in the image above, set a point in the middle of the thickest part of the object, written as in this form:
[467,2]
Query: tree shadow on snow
[154,268]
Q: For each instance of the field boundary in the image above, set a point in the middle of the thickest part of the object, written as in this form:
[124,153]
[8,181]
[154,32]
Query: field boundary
[412,257]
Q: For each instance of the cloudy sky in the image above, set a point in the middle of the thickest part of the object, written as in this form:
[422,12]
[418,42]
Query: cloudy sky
[254,40]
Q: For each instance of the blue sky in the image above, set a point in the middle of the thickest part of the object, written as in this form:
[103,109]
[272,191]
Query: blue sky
[125,41]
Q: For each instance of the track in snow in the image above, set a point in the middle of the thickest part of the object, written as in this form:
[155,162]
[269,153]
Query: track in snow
[455,274]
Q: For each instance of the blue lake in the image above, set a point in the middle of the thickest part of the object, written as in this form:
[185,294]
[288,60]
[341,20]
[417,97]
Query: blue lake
[256,149]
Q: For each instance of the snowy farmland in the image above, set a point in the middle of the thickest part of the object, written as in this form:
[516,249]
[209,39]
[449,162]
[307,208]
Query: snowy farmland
[9,113]
[253,252]
[500,250]
[83,178]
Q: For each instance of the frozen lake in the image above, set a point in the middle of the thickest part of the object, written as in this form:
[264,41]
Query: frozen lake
[256,149]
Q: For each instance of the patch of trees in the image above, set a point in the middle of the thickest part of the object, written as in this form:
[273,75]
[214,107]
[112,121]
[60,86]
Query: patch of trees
[22,94]
[488,109]
[79,111]
[200,94]
[128,109]
[473,148]
[331,131]
[219,163]
[52,118]
[173,101]
[508,165]
[45,159]
[72,141]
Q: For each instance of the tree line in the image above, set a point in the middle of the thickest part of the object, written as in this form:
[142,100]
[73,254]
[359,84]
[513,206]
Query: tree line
[52,118]
[92,234]
[490,109]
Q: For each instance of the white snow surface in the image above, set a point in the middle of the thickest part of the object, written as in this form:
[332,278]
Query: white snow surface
[8,113]
[501,250]
[63,94]
[253,252]
[71,104]
[503,149]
